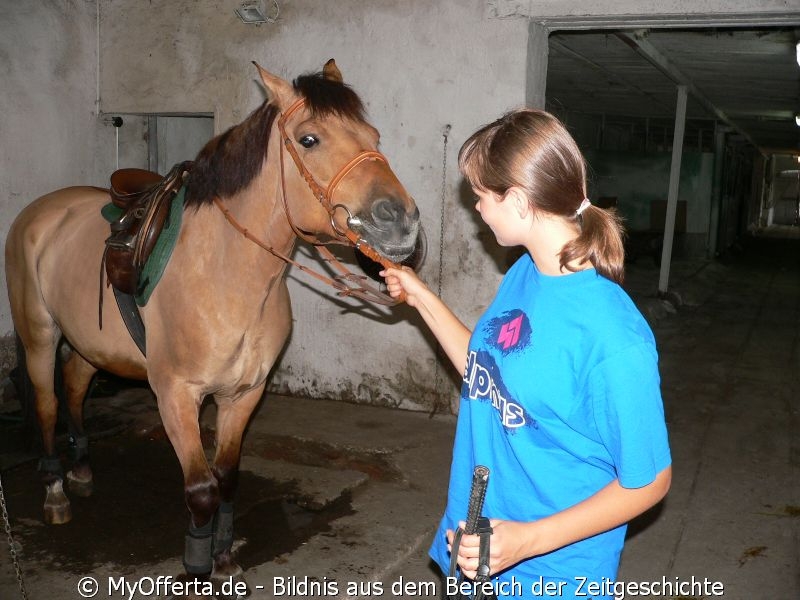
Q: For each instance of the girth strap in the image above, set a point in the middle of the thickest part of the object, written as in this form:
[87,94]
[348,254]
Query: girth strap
[131,317]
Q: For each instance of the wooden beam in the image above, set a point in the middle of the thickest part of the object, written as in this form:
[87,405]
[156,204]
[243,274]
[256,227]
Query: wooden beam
[561,47]
[639,43]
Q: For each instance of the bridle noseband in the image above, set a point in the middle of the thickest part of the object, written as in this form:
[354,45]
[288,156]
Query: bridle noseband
[347,283]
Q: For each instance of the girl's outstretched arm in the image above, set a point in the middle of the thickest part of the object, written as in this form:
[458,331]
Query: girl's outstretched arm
[452,334]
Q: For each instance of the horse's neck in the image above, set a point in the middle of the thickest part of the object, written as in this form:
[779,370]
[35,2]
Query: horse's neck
[259,210]
[262,211]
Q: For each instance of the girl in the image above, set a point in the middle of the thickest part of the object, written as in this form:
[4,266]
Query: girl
[561,391]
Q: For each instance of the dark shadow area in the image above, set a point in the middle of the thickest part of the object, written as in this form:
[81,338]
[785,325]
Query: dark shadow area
[644,520]
[502,257]
[137,513]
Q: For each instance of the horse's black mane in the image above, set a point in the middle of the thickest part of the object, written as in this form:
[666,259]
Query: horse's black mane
[229,162]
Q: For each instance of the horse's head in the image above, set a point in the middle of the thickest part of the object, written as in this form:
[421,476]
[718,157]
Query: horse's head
[334,156]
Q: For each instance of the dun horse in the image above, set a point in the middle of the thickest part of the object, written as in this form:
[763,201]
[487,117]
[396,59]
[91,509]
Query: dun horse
[220,313]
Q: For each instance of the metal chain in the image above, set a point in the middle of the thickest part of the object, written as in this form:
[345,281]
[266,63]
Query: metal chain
[12,549]
[437,374]
[445,135]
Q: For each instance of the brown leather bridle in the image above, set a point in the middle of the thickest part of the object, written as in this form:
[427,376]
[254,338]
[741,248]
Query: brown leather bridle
[347,283]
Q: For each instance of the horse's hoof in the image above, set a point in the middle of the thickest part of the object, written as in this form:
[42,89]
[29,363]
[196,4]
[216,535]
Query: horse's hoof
[229,583]
[80,486]
[57,509]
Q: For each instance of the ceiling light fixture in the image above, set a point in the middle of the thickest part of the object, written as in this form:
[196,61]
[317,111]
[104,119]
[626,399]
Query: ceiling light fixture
[797,120]
[254,12]
[797,47]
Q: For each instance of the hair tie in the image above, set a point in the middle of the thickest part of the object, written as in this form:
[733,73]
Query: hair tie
[584,205]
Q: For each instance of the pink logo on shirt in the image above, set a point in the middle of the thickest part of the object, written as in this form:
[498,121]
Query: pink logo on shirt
[509,333]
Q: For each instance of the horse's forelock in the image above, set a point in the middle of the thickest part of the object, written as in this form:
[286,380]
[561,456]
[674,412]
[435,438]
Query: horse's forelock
[325,96]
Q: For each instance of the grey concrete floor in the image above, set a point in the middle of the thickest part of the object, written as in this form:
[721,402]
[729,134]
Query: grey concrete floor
[729,342]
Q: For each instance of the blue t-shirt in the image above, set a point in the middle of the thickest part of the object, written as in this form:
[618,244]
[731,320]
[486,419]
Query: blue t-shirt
[560,397]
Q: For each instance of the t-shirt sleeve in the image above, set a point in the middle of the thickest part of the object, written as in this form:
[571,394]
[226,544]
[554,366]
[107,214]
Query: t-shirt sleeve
[629,414]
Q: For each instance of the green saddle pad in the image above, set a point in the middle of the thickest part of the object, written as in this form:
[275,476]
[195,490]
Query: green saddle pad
[165,244]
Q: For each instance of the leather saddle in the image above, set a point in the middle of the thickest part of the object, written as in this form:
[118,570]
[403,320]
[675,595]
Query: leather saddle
[144,199]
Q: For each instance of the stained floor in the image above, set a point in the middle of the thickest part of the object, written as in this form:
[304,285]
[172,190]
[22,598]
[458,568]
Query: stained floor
[729,347]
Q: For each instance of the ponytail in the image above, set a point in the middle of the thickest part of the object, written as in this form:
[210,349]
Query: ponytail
[599,242]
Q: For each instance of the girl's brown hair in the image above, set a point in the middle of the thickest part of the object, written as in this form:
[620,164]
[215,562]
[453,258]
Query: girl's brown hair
[532,150]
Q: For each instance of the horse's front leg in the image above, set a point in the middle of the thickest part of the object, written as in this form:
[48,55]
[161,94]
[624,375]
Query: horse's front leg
[179,409]
[232,418]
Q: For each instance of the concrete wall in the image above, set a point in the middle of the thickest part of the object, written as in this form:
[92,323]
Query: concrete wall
[411,65]
[420,66]
[638,179]
[50,135]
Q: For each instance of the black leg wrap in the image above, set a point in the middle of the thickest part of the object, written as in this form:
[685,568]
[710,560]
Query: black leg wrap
[223,528]
[197,550]
[79,447]
[51,465]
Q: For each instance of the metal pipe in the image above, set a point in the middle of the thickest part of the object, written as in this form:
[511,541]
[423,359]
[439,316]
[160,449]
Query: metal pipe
[672,196]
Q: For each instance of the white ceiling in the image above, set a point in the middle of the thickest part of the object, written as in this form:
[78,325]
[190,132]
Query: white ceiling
[748,79]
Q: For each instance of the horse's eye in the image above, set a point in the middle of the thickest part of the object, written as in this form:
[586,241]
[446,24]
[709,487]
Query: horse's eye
[308,141]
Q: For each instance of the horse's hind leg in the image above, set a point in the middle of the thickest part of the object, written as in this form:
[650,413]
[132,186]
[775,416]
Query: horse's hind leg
[40,360]
[78,375]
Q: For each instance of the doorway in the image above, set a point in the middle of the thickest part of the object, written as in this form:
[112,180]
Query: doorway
[156,142]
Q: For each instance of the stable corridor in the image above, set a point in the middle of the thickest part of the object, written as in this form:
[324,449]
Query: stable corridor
[730,368]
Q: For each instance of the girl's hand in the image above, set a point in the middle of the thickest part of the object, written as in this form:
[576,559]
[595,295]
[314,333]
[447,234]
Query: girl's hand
[404,280]
[506,547]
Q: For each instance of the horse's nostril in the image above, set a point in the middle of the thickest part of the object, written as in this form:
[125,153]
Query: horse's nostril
[386,211]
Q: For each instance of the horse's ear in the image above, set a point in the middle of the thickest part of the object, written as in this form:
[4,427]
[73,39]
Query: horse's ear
[280,91]
[332,72]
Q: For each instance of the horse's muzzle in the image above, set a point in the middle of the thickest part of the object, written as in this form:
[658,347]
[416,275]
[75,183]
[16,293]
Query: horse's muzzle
[414,259]
[390,230]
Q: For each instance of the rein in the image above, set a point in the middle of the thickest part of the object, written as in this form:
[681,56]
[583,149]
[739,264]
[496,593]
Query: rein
[347,282]
[364,291]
